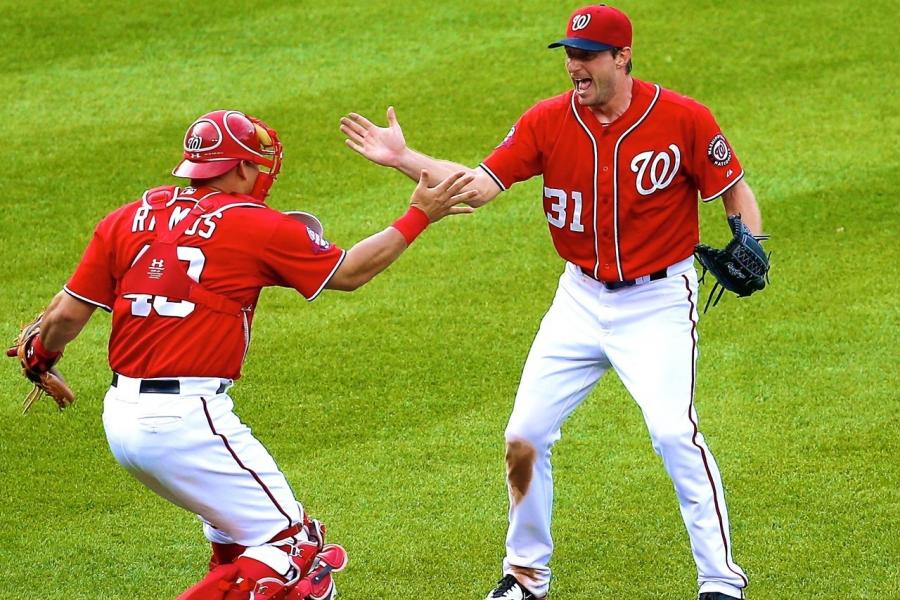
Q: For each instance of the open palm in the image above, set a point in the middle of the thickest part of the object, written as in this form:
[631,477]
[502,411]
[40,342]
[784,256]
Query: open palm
[381,145]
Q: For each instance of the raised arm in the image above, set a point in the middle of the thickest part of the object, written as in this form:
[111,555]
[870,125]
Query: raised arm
[371,256]
[386,146]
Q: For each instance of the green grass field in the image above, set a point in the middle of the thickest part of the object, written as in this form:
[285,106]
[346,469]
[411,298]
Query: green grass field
[386,407]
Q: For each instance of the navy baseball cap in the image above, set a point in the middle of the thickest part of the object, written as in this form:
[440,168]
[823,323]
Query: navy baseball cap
[596,28]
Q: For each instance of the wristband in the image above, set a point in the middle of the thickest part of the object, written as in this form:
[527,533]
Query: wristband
[38,358]
[411,224]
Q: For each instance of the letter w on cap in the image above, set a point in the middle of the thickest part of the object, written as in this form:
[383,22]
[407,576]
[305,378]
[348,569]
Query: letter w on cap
[579,22]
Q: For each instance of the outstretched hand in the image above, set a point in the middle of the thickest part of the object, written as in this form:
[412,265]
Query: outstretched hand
[381,145]
[443,199]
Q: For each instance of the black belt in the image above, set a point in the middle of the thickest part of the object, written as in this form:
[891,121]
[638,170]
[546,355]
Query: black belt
[163,386]
[618,285]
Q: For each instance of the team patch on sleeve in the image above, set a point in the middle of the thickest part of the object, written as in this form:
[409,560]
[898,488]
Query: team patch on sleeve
[718,151]
[508,140]
[319,243]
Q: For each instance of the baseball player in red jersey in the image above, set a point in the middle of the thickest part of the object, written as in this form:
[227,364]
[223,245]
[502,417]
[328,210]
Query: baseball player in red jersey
[623,162]
[181,270]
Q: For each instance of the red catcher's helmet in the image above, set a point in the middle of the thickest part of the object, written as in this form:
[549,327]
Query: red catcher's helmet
[216,142]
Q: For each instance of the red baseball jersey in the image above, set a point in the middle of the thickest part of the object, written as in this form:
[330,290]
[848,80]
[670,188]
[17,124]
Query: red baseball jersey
[233,251]
[620,198]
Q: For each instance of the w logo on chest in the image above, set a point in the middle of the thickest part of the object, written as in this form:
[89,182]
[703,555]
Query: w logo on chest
[655,170]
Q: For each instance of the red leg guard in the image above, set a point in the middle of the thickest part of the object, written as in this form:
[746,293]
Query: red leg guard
[304,565]
[269,584]
[224,554]
[318,584]
[237,581]
[214,586]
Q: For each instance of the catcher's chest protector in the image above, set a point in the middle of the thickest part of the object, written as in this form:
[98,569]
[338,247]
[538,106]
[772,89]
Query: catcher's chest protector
[159,272]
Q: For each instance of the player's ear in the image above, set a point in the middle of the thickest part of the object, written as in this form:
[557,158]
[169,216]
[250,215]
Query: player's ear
[623,56]
[242,169]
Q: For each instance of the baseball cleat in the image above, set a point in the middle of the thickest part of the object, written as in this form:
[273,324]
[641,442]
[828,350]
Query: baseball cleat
[717,596]
[510,589]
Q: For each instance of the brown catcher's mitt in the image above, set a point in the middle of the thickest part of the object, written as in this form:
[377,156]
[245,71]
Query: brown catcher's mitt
[39,368]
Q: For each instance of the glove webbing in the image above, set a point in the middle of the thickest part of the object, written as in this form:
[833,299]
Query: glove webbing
[721,287]
[715,286]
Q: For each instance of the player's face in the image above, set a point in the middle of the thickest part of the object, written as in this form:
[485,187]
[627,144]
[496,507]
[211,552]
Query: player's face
[594,75]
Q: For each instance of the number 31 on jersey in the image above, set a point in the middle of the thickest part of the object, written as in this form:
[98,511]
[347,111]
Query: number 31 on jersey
[559,209]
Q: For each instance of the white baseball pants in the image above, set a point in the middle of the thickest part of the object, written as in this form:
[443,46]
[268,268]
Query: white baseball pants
[191,449]
[648,334]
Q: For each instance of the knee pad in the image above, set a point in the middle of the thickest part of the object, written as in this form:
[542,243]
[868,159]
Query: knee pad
[276,570]
[318,584]
[270,565]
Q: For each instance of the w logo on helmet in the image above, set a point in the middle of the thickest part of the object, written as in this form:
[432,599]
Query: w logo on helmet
[204,135]
[579,22]
[219,140]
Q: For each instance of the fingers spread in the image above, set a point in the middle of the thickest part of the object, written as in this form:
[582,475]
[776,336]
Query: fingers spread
[445,185]
[464,197]
[351,134]
[461,210]
[361,120]
[354,146]
[348,126]
[422,185]
[461,182]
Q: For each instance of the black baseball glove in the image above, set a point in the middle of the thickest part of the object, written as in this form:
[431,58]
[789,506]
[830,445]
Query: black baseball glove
[741,267]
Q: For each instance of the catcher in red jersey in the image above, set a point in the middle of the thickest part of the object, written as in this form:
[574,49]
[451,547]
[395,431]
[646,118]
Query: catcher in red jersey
[181,270]
[623,162]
